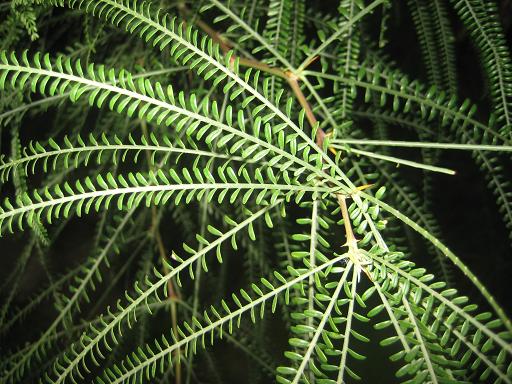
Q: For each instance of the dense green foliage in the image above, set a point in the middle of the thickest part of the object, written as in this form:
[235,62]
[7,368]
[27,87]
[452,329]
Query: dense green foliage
[232,178]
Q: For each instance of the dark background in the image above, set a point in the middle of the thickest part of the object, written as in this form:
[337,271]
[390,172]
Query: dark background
[465,206]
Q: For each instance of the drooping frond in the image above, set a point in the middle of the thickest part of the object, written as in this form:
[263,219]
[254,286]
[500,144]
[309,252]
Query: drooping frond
[84,282]
[200,54]
[458,119]
[444,39]
[481,19]
[425,30]
[348,61]
[279,25]
[436,315]
[412,97]
[125,192]
[95,150]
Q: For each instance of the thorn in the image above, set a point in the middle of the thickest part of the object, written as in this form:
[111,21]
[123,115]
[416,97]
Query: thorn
[363,187]
[351,242]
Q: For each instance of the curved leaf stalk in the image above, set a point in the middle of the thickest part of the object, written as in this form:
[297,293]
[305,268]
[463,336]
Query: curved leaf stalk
[138,367]
[480,17]
[449,254]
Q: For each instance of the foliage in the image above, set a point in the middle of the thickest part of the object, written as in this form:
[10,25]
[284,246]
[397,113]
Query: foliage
[230,172]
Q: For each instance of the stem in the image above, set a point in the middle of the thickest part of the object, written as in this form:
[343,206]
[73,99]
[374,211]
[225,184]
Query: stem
[395,160]
[353,250]
[261,66]
[423,144]
[311,282]
[294,85]
[351,239]
[348,328]
[171,292]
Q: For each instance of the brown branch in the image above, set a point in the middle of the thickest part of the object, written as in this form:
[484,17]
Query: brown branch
[351,239]
[172,293]
[353,249]
[262,67]
[293,81]
[225,44]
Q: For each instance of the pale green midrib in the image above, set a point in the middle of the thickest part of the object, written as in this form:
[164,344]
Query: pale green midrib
[71,302]
[256,35]
[348,328]
[226,318]
[421,341]
[52,182]
[499,187]
[392,317]
[449,254]
[84,325]
[447,302]
[390,117]
[338,33]
[295,31]
[229,337]
[502,194]
[247,87]
[142,308]
[9,165]
[456,113]
[277,37]
[475,148]
[472,347]
[326,158]
[443,37]
[112,147]
[170,107]
[154,188]
[319,329]
[40,297]
[423,144]
[66,94]
[411,206]
[348,59]
[276,42]
[313,243]
[419,100]
[414,208]
[396,160]
[428,43]
[373,228]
